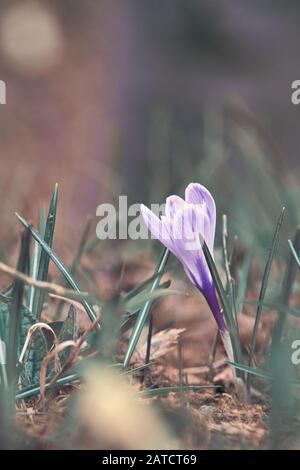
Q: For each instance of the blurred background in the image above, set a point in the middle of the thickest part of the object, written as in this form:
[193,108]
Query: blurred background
[141,97]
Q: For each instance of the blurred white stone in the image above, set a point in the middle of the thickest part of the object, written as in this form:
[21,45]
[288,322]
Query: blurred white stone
[31,37]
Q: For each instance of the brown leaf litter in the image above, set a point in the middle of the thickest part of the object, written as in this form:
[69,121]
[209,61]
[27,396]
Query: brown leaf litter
[183,325]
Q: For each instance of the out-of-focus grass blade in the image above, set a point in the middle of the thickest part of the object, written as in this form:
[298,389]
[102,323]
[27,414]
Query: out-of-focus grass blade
[15,317]
[7,292]
[233,256]
[81,247]
[44,259]
[59,265]
[230,293]
[92,244]
[130,302]
[286,292]
[281,365]
[35,389]
[295,312]
[128,321]
[230,281]
[260,373]
[225,248]
[150,392]
[136,302]
[135,369]
[243,281]
[34,263]
[76,260]
[144,284]
[143,315]
[5,299]
[250,370]
[263,288]
[213,350]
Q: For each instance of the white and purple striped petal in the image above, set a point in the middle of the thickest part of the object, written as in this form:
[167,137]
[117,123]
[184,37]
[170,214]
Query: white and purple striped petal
[187,222]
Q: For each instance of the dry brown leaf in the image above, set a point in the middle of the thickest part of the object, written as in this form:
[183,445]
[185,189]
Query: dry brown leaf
[162,343]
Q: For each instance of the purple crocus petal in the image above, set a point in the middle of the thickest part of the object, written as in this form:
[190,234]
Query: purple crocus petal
[152,222]
[181,230]
[209,292]
[188,223]
[192,220]
[159,228]
[173,204]
[195,193]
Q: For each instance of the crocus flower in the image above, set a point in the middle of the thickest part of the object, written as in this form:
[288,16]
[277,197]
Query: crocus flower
[185,223]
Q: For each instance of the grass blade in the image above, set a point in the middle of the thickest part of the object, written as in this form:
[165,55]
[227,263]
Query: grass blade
[34,390]
[81,247]
[34,264]
[39,295]
[15,318]
[243,281]
[92,315]
[230,320]
[262,374]
[135,303]
[286,292]
[230,284]
[276,306]
[144,313]
[144,284]
[264,286]
[151,392]
[250,370]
